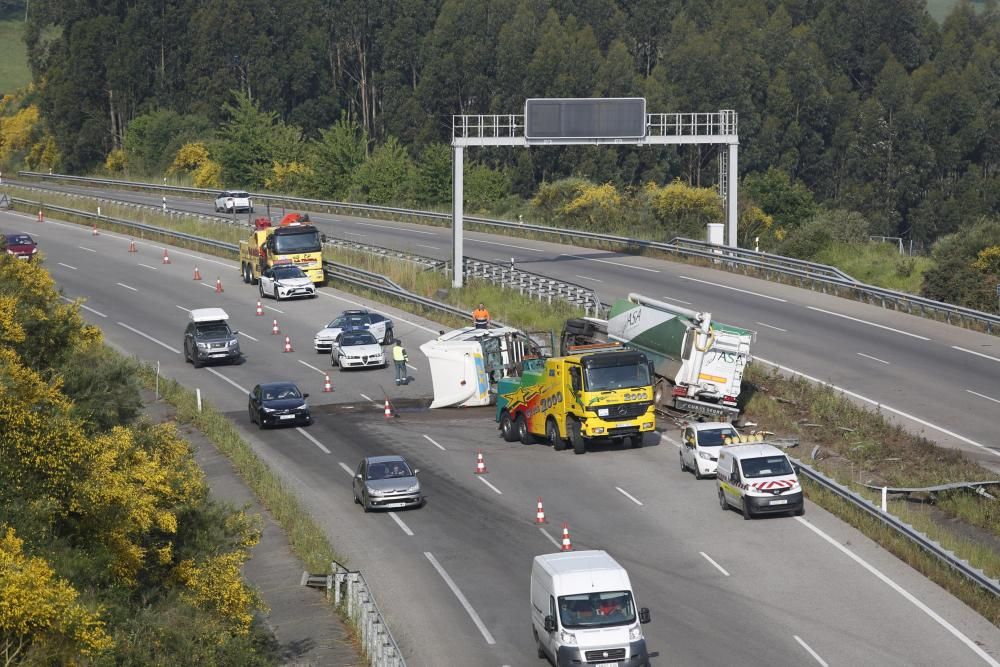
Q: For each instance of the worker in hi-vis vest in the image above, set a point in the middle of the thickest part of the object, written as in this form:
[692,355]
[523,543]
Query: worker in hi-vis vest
[399,360]
[481,317]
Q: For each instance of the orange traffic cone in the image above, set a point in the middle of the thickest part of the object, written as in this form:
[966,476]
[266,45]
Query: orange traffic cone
[94,232]
[327,387]
[197,273]
[218,283]
[274,329]
[388,409]
[260,310]
[131,246]
[566,545]
[166,257]
[480,464]
[540,514]
[288,344]
[41,216]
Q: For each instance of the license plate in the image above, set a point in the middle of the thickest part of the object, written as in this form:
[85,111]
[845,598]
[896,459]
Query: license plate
[293,417]
[779,502]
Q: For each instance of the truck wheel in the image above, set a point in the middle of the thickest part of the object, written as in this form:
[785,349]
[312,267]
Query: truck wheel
[575,437]
[246,274]
[747,512]
[636,440]
[552,433]
[507,427]
[659,390]
[521,429]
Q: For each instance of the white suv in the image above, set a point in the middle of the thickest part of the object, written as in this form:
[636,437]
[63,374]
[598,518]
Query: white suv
[233,201]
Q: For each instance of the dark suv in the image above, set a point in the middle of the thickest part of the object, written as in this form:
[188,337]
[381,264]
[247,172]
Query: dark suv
[208,338]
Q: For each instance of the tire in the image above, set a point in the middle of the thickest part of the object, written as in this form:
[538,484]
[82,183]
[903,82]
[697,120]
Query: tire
[507,427]
[747,512]
[334,360]
[683,465]
[722,500]
[617,442]
[246,274]
[523,434]
[252,418]
[552,433]
[538,647]
[260,421]
[355,494]
[340,366]
[387,340]
[276,296]
[187,357]
[635,440]
[195,361]
[575,437]
[260,288]
[800,511]
[364,503]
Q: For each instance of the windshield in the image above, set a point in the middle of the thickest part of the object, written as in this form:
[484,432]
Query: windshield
[19,239]
[307,241]
[239,195]
[213,329]
[597,610]
[389,470]
[766,466]
[712,437]
[281,392]
[361,338]
[285,272]
[635,375]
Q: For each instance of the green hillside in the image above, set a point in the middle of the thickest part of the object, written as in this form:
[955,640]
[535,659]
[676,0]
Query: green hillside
[14,71]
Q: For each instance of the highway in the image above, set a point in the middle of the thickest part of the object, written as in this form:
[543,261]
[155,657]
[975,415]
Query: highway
[452,577]
[934,379]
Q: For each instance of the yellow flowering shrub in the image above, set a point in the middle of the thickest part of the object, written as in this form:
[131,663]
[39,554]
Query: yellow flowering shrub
[287,176]
[189,157]
[988,260]
[208,175]
[216,584]
[37,608]
[116,161]
[44,154]
[16,131]
[595,203]
[678,201]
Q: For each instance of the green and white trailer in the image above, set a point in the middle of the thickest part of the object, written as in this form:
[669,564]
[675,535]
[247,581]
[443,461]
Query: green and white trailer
[698,363]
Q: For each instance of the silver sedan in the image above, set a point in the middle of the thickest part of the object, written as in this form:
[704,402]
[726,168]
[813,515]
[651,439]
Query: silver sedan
[386,482]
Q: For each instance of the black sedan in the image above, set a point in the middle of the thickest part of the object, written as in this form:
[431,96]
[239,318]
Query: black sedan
[277,403]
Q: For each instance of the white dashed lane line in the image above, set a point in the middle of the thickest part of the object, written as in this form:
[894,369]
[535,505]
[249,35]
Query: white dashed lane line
[734,289]
[881,361]
[398,229]
[149,267]
[976,393]
[186,310]
[629,496]
[67,266]
[551,539]
[308,365]
[811,652]
[688,303]
[275,310]
[399,522]
[608,261]
[495,489]
[87,308]
[346,468]
[771,326]
[432,247]
[148,337]
[588,278]
[461,598]
[433,442]
[311,439]
[978,354]
[86,248]
[223,377]
[249,336]
[368,398]
[871,324]
[127,287]
[717,566]
[505,245]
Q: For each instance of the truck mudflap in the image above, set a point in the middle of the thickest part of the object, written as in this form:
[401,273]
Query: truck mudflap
[705,408]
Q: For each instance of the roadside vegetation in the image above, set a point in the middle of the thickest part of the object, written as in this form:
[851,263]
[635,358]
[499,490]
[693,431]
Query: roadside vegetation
[111,549]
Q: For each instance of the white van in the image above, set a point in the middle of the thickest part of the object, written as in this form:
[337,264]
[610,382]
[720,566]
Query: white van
[758,479]
[583,611]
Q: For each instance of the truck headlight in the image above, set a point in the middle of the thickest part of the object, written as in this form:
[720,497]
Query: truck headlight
[602,412]
[567,638]
[634,634]
[599,430]
[647,425]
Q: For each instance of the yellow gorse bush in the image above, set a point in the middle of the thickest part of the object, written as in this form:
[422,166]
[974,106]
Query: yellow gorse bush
[16,131]
[677,200]
[215,584]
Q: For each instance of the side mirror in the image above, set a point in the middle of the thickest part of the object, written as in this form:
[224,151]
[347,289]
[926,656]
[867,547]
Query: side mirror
[322,238]
[357,476]
[575,382]
[306,395]
[236,333]
[644,615]
[550,624]
[416,471]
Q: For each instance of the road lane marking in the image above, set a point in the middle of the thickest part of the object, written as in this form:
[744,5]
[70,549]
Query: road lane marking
[147,336]
[355,234]
[976,393]
[411,366]
[881,361]
[186,310]
[368,398]
[871,324]
[220,375]
[588,278]
[346,469]
[483,480]
[148,266]
[398,229]
[422,245]
[275,310]
[87,308]
[902,591]
[505,245]
[461,598]
[67,266]
[670,298]
[86,248]
[735,289]
[399,522]
[811,652]
[312,439]
[207,285]
[881,406]
[308,365]
[717,566]
[629,496]
[432,441]
[550,538]
[127,287]
[381,312]
[978,354]
[608,261]
[250,337]
[771,326]
[671,441]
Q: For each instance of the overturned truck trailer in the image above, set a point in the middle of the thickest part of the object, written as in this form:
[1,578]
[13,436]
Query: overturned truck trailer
[698,363]
[466,364]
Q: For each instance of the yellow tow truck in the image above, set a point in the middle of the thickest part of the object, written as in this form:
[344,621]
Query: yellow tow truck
[294,241]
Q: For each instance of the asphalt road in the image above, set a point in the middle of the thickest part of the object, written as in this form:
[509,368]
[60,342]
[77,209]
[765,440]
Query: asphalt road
[932,378]
[452,577]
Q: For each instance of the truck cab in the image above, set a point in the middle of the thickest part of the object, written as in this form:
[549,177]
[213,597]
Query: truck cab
[596,393]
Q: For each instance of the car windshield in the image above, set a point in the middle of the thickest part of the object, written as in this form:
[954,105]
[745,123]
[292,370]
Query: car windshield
[359,338]
[389,470]
[766,466]
[213,329]
[282,392]
[596,610]
[602,378]
[285,272]
[306,241]
[19,239]
[239,195]
[712,437]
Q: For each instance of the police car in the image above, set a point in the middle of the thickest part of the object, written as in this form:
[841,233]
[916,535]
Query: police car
[353,320]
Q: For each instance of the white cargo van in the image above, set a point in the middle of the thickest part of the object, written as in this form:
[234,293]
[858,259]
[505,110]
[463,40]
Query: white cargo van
[583,611]
[758,479]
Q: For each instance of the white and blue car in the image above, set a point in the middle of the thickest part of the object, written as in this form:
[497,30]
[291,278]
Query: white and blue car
[377,325]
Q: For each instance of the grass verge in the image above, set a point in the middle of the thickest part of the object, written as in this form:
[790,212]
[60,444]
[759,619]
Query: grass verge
[14,72]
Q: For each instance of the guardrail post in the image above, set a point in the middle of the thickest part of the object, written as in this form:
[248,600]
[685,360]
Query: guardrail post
[456,216]
[885,493]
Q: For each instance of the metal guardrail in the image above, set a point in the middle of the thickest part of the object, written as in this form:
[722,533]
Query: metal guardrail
[535,285]
[350,589]
[903,529]
[808,274]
